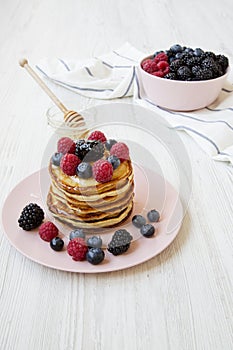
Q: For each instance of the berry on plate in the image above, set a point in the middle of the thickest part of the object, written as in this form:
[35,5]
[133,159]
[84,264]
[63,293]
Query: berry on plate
[77,248]
[48,231]
[153,215]
[95,256]
[31,217]
[120,242]
[109,143]
[57,244]
[94,242]
[138,221]
[147,230]
[77,233]
[102,171]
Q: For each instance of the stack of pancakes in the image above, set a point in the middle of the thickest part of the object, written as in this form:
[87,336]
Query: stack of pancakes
[85,203]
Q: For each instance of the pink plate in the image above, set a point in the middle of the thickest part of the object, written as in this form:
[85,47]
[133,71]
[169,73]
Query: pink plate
[151,191]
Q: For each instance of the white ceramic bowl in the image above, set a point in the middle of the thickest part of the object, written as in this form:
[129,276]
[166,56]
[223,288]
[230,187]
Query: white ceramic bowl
[180,95]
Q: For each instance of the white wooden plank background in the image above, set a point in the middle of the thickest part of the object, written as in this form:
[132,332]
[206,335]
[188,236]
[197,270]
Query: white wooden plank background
[181,299]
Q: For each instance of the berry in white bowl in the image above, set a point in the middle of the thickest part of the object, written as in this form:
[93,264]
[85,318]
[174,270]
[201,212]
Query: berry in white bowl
[183,78]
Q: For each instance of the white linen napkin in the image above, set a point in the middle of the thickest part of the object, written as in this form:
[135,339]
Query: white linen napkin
[114,75]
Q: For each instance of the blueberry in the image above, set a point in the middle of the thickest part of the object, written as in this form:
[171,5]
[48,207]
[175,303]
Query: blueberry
[56,158]
[95,256]
[114,160]
[189,50]
[147,230]
[157,52]
[57,244]
[78,233]
[179,55]
[153,215]
[198,52]
[109,143]
[176,48]
[84,170]
[94,242]
[138,221]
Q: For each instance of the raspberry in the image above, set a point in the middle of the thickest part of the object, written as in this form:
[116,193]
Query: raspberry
[66,145]
[48,231]
[149,66]
[159,74]
[102,171]
[69,163]
[154,67]
[162,65]
[77,248]
[166,70]
[120,149]
[146,65]
[161,57]
[97,136]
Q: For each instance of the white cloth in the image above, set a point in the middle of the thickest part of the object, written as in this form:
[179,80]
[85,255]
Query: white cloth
[114,75]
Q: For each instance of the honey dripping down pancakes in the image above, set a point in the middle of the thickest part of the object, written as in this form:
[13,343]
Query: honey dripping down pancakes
[92,182]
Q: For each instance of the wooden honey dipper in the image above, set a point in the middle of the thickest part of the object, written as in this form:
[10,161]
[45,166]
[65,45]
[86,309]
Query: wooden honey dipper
[72,119]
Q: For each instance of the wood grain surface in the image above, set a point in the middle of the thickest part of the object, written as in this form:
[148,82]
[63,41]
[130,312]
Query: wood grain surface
[181,299]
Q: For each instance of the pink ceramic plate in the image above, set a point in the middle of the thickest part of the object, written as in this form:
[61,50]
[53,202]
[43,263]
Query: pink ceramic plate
[151,191]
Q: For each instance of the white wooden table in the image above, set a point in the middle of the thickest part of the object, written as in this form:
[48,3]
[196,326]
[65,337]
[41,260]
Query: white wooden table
[182,298]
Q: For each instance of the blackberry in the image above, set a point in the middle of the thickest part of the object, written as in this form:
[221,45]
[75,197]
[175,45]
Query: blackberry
[202,73]
[89,150]
[31,217]
[175,65]
[195,70]
[216,70]
[184,73]
[207,62]
[171,76]
[207,74]
[223,61]
[120,242]
[185,56]
[192,61]
[209,54]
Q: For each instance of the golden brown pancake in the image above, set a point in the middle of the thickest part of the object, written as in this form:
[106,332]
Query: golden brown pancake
[85,203]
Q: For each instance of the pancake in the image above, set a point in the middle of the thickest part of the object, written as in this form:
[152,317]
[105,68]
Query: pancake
[88,204]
